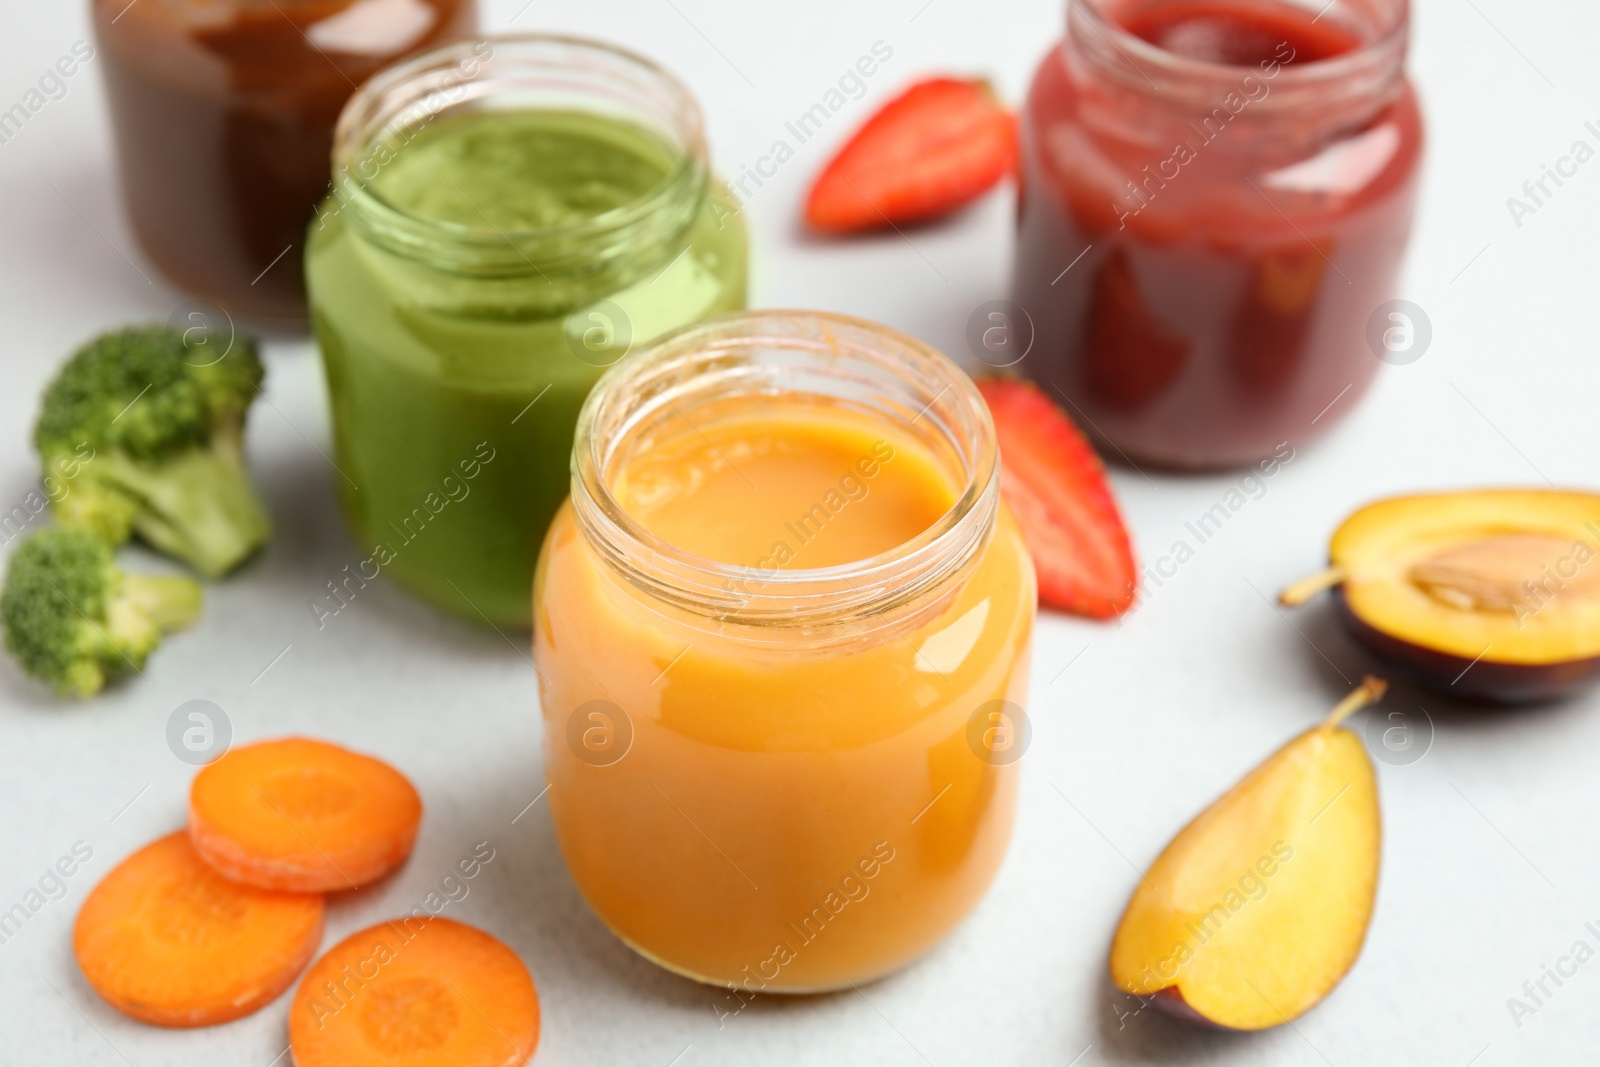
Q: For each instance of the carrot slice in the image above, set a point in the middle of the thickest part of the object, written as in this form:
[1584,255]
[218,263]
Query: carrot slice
[423,992]
[302,815]
[167,940]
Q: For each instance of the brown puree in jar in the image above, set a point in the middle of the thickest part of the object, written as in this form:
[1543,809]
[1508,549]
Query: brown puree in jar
[224,112]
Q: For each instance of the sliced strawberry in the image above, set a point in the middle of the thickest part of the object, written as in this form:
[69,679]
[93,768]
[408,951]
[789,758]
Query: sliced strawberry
[1056,487]
[937,146]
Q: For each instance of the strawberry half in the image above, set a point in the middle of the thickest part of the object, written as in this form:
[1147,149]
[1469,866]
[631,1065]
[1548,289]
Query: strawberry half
[1056,487]
[936,147]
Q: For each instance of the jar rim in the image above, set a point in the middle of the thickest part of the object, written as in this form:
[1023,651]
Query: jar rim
[1369,69]
[409,94]
[718,354]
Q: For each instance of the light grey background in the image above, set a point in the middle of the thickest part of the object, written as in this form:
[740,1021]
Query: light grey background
[1489,868]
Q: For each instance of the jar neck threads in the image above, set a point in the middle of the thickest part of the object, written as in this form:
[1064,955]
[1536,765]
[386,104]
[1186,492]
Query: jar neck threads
[887,375]
[1134,88]
[527,72]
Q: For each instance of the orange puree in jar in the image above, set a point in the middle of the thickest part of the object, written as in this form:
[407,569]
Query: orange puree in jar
[742,490]
[775,628]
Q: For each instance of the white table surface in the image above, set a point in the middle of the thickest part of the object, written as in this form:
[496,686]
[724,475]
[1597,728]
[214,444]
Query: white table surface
[1490,868]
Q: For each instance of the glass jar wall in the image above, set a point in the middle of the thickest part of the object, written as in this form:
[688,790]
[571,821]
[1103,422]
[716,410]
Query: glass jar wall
[782,633]
[509,216]
[1216,199]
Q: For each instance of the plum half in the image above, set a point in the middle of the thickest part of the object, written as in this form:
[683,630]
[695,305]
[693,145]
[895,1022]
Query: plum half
[1487,595]
[1258,908]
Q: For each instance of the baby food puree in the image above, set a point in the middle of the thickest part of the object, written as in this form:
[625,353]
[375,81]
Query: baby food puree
[790,460]
[1217,195]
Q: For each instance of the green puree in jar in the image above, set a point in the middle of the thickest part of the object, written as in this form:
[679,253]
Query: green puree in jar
[467,291]
[522,170]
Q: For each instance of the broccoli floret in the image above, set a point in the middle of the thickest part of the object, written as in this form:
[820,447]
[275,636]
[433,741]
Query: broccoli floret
[145,433]
[74,619]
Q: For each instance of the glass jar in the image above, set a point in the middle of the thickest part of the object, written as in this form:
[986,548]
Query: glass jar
[774,778]
[1216,200]
[223,112]
[509,216]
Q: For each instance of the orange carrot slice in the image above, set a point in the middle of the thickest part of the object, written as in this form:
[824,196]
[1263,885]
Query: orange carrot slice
[419,992]
[302,815]
[167,940]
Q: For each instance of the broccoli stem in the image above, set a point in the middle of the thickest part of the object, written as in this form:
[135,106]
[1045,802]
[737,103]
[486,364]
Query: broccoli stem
[142,608]
[172,603]
[199,505]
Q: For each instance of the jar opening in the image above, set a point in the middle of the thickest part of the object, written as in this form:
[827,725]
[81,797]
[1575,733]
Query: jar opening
[888,376]
[1343,87]
[521,75]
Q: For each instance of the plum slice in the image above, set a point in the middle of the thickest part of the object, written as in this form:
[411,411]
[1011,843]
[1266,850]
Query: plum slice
[1256,910]
[1486,595]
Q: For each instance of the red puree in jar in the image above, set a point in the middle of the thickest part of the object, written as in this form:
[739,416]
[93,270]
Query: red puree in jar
[1239,35]
[1237,177]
